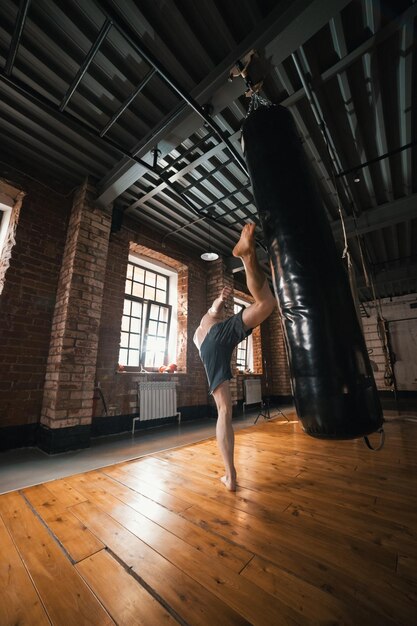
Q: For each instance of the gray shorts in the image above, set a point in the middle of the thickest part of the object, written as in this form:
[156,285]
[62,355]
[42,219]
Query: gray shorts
[217,349]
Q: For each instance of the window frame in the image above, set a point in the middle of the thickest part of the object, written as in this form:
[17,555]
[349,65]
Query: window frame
[145,318]
[239,305]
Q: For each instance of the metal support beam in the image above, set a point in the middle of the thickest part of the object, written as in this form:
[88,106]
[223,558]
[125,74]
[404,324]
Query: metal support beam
[127,102]
[132,38]
[381,217]
[279,34]
[86,63]
[83,128]
[17,35]
[372,220]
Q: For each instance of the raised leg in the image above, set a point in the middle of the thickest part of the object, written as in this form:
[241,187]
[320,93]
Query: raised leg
[224,433]
[255,279]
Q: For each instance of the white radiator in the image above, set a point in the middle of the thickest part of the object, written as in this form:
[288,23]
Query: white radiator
[156,400]
[253,391]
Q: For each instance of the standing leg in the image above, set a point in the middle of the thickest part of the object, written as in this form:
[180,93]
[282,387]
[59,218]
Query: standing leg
[256,280]
[224,432]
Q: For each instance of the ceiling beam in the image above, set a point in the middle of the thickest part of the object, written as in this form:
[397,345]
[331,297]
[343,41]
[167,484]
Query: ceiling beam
[383,216]
[279,35]
[397,275]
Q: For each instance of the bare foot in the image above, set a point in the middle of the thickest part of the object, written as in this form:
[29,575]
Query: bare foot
[229,483]
[246,243]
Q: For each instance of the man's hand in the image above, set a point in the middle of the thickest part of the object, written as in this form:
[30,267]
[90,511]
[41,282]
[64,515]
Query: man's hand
[225,293]
[220,301]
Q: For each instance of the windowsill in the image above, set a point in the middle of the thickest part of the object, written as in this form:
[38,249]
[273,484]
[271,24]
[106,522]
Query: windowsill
[138,372]
[248,373]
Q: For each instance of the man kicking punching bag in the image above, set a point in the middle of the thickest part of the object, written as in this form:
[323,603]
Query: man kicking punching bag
[333,384]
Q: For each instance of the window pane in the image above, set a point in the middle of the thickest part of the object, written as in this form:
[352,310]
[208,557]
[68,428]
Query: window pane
[124,340]
[129,273]
[162,330]
[160,345]
[125,323]
[134,342]
[128,286]
[126,307]
[150,278]
[137,309]
[149,293]
[152,328]
[133,359]
[161,282]
[161,296]
[137,290]
[135,325]
[163,314]
[123,357]
[139,274]
[154,314]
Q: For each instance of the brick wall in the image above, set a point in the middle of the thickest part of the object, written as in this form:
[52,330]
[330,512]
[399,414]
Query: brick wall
[70,307]
[71,369]
[120,388]
[27,301]
[273,348]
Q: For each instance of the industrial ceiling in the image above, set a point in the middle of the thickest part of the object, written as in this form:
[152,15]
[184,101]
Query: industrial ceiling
[137,95]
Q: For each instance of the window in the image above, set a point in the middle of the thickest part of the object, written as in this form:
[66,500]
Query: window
[244,351]
[146,338]
[10,203]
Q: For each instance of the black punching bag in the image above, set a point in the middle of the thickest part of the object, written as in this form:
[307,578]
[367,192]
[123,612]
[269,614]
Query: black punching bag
[333,384]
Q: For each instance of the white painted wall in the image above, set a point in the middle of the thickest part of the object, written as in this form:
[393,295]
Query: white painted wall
[402,326]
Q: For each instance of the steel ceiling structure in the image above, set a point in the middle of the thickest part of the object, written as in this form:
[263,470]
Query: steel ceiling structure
[137,96]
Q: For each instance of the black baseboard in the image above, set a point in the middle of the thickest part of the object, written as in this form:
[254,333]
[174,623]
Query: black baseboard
[21,436]
[114,424]
[190,413]
[281,400]
[111,424]
[56,440]
[403,400]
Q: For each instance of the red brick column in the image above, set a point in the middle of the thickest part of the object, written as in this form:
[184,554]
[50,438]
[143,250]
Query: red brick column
[69,382]
[273,349]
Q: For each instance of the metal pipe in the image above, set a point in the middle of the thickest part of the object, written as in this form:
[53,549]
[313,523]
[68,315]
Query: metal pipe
[172,232]
[127,102]
[376,159]
[84,128]
[130,36]
[320,122]
[86,63]
[17,35]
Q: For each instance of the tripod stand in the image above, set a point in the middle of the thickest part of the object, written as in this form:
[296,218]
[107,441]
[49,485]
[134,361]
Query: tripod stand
[265,407]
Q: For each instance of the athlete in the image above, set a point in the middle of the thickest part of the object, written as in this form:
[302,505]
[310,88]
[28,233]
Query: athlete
[216,339]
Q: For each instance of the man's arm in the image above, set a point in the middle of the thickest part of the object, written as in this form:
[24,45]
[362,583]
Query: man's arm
[220,302]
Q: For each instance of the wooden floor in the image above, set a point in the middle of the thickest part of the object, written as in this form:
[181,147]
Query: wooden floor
[317,533]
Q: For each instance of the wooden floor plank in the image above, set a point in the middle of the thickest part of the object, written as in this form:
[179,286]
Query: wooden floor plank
[64,493]
[65,596]
[71,534]
[20,603]
[218,579]
[97,484]
[125,598]
[185,597]
[318,532]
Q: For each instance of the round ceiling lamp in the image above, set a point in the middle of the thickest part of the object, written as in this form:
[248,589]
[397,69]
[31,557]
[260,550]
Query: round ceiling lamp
[209,256]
